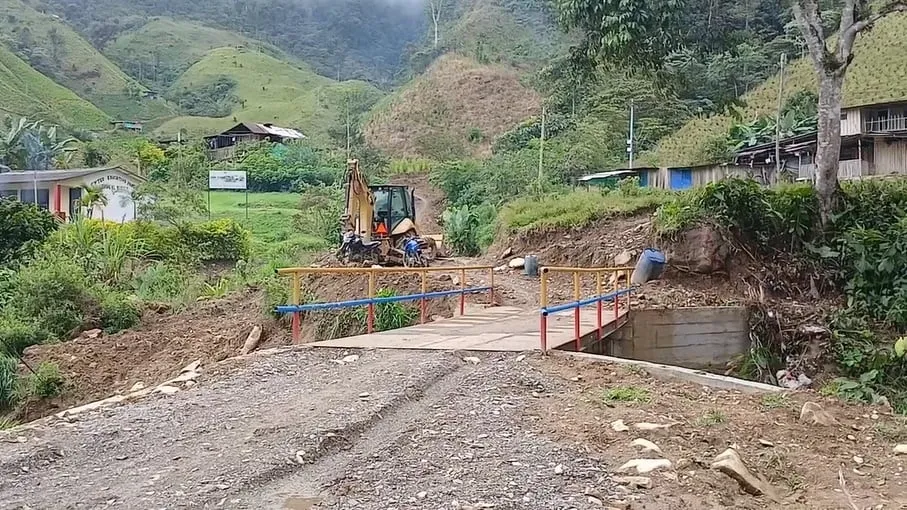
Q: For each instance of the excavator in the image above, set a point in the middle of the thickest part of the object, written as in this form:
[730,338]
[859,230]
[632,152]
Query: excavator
[379,224]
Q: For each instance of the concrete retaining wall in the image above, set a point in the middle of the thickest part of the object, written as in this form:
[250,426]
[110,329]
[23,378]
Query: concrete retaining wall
[700,338]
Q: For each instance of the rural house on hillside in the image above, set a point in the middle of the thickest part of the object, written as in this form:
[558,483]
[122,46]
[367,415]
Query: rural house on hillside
[873,143]
[223,145]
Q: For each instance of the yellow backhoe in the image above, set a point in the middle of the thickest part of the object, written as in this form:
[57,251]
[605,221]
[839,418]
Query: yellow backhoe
[380,224]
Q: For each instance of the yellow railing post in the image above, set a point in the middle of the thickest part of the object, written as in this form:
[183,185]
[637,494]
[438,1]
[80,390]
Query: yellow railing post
[616,276]
[491,292]
[297,297]
[598,312]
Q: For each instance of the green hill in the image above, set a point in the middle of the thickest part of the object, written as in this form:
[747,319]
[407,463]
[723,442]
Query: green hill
[158,52]
[53,48]
[268,90]
[877,74]
[28,93]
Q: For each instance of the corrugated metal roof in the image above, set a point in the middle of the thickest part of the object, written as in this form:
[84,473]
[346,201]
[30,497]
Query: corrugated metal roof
[26,176]
[271,129]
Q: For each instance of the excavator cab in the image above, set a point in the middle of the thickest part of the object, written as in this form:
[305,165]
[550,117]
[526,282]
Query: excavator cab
[394,205]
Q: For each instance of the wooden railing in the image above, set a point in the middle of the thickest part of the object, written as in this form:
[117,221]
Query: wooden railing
[893,123]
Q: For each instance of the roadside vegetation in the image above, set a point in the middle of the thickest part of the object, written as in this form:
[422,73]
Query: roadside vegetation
[862,257]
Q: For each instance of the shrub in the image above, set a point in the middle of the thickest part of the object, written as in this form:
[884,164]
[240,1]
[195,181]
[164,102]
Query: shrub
[118,312]
[166,282]
[461,230]
[18,333]
[9,382]
[575,209]
[47,381]
[222,240]
[56,292]
[22,228]
[389,316]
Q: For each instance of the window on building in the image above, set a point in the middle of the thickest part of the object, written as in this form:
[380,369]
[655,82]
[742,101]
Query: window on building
[28,196]
[9,193]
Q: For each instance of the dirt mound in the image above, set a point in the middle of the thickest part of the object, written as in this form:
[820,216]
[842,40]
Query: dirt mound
[457,106]
[430,201]
[801,460]
[96,368]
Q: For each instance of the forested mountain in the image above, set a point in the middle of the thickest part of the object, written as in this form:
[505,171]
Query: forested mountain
[349,39]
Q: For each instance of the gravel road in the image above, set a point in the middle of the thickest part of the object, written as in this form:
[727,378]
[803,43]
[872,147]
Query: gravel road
[298,430]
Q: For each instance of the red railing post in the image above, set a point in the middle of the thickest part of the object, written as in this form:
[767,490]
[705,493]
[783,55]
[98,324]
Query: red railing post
[462,292]
[576,312]
[422,303]
[371,305]
[543,328]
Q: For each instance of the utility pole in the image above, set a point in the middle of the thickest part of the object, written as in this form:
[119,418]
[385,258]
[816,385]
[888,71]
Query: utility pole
[348,130]
[778,119]
[631,142]
[542,151]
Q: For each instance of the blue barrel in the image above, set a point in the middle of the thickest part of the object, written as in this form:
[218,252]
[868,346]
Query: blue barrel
[650,266]
[531,266]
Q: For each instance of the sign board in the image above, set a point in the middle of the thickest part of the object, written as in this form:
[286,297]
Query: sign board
[223,179]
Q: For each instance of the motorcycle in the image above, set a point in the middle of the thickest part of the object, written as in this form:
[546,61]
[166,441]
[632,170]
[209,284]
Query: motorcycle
[354,249]
[412,253]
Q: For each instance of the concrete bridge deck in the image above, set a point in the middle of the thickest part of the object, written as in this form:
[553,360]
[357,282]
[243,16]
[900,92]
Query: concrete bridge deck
[498,329]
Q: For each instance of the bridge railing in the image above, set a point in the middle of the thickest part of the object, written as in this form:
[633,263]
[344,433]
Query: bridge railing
[296,307]
[600,297]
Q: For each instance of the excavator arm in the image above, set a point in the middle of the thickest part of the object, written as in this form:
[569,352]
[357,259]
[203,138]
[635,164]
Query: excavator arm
[360,202]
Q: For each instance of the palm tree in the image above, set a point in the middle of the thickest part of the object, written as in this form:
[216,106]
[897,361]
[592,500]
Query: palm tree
[93,196]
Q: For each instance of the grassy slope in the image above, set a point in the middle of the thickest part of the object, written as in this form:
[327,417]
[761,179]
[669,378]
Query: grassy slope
[26,92]
[274,90]
[454,97]
[173,46]
[81,68]
[878,74]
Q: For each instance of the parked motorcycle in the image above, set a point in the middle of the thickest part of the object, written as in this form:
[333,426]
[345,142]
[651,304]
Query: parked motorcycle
[354,249]
[412,253]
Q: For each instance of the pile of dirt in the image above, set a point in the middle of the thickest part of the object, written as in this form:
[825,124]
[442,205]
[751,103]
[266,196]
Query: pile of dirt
[155,351]
[800,459]
[457,106]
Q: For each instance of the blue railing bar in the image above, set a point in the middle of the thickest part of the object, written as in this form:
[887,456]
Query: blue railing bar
[311,307]
[551,310]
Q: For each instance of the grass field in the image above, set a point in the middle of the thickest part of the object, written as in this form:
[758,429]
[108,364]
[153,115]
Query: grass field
[878,74]
[277,236]
[274,91]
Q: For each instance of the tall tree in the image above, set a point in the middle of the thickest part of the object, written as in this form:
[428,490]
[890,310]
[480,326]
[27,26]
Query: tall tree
[832,54]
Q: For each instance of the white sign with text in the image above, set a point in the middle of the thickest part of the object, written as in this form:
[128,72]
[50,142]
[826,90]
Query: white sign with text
[226,179]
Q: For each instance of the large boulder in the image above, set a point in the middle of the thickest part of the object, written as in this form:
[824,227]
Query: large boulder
[702,249]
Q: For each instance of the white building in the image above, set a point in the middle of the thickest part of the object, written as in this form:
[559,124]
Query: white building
[60,191]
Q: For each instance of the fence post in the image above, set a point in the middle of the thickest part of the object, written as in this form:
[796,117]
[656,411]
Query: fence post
[491,292]
[576,296]
[422,311]
[371,304]
[598,292]
[297,297]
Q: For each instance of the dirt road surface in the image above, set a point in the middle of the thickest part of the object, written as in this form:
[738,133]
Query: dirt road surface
[401,430]
[412,430]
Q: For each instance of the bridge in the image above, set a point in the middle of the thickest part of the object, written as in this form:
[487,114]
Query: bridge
[571,325]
